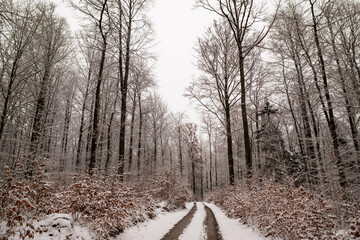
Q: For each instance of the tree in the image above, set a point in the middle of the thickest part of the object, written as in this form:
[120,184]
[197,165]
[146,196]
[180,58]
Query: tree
[241,17]
[129,23]
[19,25]
[217,89]
[331,118]
[208,129]
[97,11]
[194,152]
[272,143]
[178,120]
[54,48]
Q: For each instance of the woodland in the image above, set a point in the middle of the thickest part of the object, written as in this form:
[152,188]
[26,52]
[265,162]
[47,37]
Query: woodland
[84,130]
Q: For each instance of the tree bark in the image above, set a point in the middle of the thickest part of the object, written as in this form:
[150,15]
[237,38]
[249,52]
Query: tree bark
[132,132]
[96,119]
[331,121]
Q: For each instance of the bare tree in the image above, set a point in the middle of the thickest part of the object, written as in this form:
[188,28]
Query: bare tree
[217,90]
[54,32]
[242,18]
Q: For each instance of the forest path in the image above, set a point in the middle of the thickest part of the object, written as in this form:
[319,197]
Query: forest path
[200,221]
[178,229]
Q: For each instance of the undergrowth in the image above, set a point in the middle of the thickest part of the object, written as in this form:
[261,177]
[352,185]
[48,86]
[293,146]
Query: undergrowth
[287,212]
[106,205]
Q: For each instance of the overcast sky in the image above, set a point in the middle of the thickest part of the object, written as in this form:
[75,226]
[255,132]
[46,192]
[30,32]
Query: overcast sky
[177,26]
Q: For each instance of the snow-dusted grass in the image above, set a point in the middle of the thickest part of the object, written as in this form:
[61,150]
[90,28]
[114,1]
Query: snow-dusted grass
[196,230]
[155,229]
[232,229]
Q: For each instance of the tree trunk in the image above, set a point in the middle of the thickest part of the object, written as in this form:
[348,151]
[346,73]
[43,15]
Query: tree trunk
[229,142]
[64,142]
[124,90]
[248,153]
[82,123]
[139,136]
[210,168]
[39,117]
[180,150]
[349,109]
[132,132]
[331,122]
[96,119]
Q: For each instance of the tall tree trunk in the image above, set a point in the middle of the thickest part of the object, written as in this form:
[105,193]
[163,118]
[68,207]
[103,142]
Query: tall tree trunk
[96,119]
[349,108]
[310,165]
[154,157]
[331,122]
[193,175]
[132,132]
[39,116]
[180,150]
[89,136]
[82,123]
[64,142]
[229,142]
[210,157]
[248,153]
[139,137]
[297,130]
[124,90]
[7,97]
[216,162]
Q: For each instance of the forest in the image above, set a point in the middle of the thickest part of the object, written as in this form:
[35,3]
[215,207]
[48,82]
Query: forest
[84,130]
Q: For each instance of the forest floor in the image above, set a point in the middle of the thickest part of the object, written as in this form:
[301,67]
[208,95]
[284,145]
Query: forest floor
[199,221]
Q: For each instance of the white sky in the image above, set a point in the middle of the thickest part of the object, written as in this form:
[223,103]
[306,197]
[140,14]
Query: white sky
[177,26]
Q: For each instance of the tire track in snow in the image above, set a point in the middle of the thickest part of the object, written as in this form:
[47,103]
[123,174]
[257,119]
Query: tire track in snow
[196,229]
[177,230]
[212,227]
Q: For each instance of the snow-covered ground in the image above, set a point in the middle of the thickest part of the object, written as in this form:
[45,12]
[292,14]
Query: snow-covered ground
[232,229]
[196,230]
[62,226]
[56,227]
[155,229]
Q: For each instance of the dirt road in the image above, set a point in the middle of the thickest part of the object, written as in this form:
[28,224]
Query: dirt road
[211,226]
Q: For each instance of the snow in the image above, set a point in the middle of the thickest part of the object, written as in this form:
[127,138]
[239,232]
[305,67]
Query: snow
[196,230]
[155,229]
[232,229]
[60,227]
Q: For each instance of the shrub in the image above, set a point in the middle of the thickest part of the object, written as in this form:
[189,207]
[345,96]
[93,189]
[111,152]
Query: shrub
[282,212]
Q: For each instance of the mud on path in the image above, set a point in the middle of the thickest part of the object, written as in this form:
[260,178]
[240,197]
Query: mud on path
[212,227]
[176,231]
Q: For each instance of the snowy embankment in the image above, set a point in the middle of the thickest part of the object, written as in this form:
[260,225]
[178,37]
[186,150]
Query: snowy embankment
[232,229]
[155,229]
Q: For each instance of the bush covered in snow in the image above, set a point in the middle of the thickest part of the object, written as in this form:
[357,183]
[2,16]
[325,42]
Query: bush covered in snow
[105,205]
[23,200]
[286,212]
